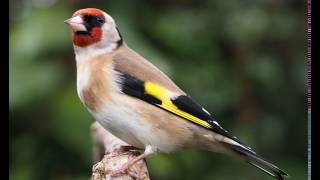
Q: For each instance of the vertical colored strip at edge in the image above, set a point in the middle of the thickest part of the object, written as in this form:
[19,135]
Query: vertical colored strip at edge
[309,84]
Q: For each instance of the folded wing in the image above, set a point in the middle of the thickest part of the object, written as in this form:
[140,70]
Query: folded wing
[180,105]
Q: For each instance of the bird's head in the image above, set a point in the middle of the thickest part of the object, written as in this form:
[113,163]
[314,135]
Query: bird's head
[93,28]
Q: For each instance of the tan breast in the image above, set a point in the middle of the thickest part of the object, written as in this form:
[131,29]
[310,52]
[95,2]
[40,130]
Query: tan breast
[94,81]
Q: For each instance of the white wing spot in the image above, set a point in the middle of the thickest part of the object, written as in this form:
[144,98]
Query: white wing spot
[215,122]
[203,109]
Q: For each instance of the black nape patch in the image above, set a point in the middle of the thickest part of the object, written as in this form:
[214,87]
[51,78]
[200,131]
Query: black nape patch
[120,41]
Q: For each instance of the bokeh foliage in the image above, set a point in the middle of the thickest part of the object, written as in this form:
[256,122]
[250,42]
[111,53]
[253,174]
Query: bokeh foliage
[245,61]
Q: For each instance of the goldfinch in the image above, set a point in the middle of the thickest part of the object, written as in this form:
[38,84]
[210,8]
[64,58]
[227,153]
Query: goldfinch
[136,102]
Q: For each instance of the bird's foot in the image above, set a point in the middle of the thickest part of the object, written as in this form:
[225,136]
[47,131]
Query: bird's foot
[125,170]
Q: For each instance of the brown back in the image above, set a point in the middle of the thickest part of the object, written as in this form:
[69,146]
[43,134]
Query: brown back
[130,62]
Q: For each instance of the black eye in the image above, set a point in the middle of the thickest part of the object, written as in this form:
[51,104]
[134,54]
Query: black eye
[100,20]
[94,21]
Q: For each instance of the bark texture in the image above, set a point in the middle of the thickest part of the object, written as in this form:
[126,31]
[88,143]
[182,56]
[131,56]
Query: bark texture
[110,153]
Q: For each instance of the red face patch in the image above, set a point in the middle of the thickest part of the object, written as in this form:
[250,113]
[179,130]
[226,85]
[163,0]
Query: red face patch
[94,34]
[83,40]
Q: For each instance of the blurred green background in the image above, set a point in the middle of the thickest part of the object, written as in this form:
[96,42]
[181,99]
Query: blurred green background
[245,61]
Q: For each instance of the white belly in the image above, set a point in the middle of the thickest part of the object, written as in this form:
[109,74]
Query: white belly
[120,120]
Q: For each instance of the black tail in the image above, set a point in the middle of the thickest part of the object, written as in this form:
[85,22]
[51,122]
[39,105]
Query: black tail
[252,158]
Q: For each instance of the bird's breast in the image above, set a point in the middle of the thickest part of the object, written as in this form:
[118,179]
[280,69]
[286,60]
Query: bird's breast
[95,84]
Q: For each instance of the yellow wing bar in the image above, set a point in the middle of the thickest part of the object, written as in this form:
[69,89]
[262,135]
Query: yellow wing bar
[163,95]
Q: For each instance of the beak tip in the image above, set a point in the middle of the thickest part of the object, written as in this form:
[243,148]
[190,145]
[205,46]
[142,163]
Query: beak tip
[76,23]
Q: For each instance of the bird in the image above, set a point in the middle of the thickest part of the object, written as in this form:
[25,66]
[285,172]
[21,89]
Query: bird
[138,103]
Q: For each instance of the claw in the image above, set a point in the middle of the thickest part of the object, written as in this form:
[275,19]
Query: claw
[149,150]
[125,170]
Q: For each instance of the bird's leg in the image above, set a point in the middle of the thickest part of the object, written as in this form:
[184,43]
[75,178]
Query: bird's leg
[122,150]
[124,169]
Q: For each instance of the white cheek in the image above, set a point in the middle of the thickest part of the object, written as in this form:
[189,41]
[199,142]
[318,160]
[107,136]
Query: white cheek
[87,53]
[109,19]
